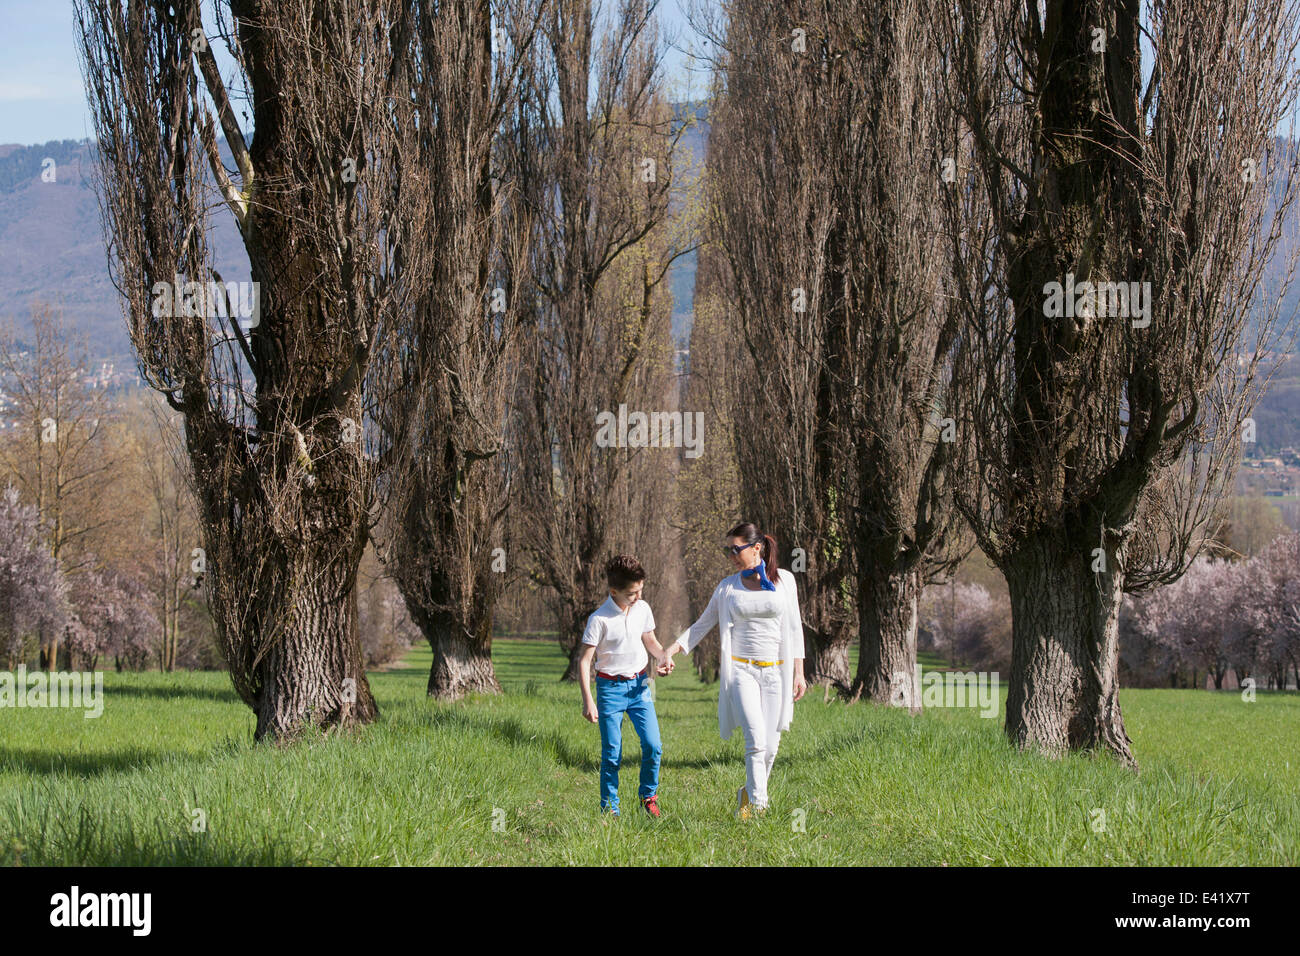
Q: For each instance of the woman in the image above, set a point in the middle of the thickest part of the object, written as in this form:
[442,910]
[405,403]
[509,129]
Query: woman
[760,664]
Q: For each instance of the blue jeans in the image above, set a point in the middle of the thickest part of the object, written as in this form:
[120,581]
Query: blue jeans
[614,698]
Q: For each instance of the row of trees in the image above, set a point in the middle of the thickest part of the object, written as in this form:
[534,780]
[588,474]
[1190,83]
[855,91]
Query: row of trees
[98,558]
[95,515]
[461,248]
[895,191]
[1221,616]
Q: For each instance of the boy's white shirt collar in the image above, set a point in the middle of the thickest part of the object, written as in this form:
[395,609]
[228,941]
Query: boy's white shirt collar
[613,605]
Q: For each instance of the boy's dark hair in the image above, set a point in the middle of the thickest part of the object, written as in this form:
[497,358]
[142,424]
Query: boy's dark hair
[622,570]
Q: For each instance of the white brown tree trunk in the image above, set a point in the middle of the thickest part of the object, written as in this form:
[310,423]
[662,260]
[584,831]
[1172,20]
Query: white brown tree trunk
[826,659]
[314,674]
[1064,688]
[887,614]
[462,662]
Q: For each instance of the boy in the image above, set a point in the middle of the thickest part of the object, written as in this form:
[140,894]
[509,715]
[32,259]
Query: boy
[618,634]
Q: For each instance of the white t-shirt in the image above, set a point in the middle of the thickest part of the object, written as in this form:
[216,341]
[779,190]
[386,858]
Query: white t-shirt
[617,637]
[756,624]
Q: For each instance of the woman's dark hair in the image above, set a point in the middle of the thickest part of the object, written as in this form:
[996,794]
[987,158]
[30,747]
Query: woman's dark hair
[750,533]
[623,570]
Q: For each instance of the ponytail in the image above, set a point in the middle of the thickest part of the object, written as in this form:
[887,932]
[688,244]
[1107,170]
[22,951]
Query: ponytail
[770,556]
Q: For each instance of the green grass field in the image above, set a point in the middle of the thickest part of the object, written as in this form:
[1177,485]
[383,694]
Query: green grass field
[1219,782]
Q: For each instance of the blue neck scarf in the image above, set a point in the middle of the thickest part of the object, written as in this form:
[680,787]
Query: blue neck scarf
[764,583]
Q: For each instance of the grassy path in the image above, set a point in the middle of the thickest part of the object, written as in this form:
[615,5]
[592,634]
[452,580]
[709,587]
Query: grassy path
[1219,785]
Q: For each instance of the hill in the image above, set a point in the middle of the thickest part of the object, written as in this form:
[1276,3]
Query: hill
[52,242]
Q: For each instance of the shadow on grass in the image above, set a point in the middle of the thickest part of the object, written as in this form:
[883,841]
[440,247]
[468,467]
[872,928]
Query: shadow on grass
[224,696]
[512,731]
[79,764]
[82,843]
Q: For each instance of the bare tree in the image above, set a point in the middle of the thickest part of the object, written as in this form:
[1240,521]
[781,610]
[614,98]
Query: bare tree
[269,381]
[445,370]
[892,333]
[57,452]
[708,489]
[165,476]
[596,177]
[1115,322]
[771,218]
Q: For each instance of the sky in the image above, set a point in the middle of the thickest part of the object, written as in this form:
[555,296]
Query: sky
[41,93]
[42,96]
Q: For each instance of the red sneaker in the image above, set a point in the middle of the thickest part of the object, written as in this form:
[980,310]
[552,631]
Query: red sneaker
[651,805]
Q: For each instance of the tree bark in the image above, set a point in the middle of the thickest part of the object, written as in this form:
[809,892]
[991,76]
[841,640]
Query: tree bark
[572,623]
[314,675]
[705,657]
[1064,688]
[575,652]
[826,659]
[887,614]
[462,662]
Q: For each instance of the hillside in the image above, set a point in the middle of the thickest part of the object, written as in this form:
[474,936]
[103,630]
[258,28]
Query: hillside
[52,244]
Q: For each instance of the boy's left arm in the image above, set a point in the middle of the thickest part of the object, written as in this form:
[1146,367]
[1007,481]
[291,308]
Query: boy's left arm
[657,652]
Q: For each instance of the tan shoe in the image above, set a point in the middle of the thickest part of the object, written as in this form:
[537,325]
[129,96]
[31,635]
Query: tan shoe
[742,804]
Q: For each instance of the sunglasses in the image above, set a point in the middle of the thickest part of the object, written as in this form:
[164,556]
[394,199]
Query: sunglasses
[737,548]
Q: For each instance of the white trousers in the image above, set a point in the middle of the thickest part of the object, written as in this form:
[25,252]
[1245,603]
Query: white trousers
[756,697]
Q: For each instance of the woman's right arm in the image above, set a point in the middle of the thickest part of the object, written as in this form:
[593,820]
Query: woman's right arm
[687,640]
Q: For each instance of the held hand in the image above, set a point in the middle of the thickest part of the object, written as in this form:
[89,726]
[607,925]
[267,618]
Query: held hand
[665,666]
[589,711]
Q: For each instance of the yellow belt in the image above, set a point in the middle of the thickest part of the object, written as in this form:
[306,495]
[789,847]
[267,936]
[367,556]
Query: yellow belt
[745,660]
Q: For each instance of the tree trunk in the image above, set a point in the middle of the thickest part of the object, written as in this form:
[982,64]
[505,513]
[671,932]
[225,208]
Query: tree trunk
[571,639]
[1064,689]
[314,674]
[887,615]
[826,659]
[462,663]
[455,619]
[705,658]
[50,652]
[575,652]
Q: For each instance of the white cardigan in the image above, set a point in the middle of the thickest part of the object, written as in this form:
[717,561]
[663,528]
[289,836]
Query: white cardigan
[719,613]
